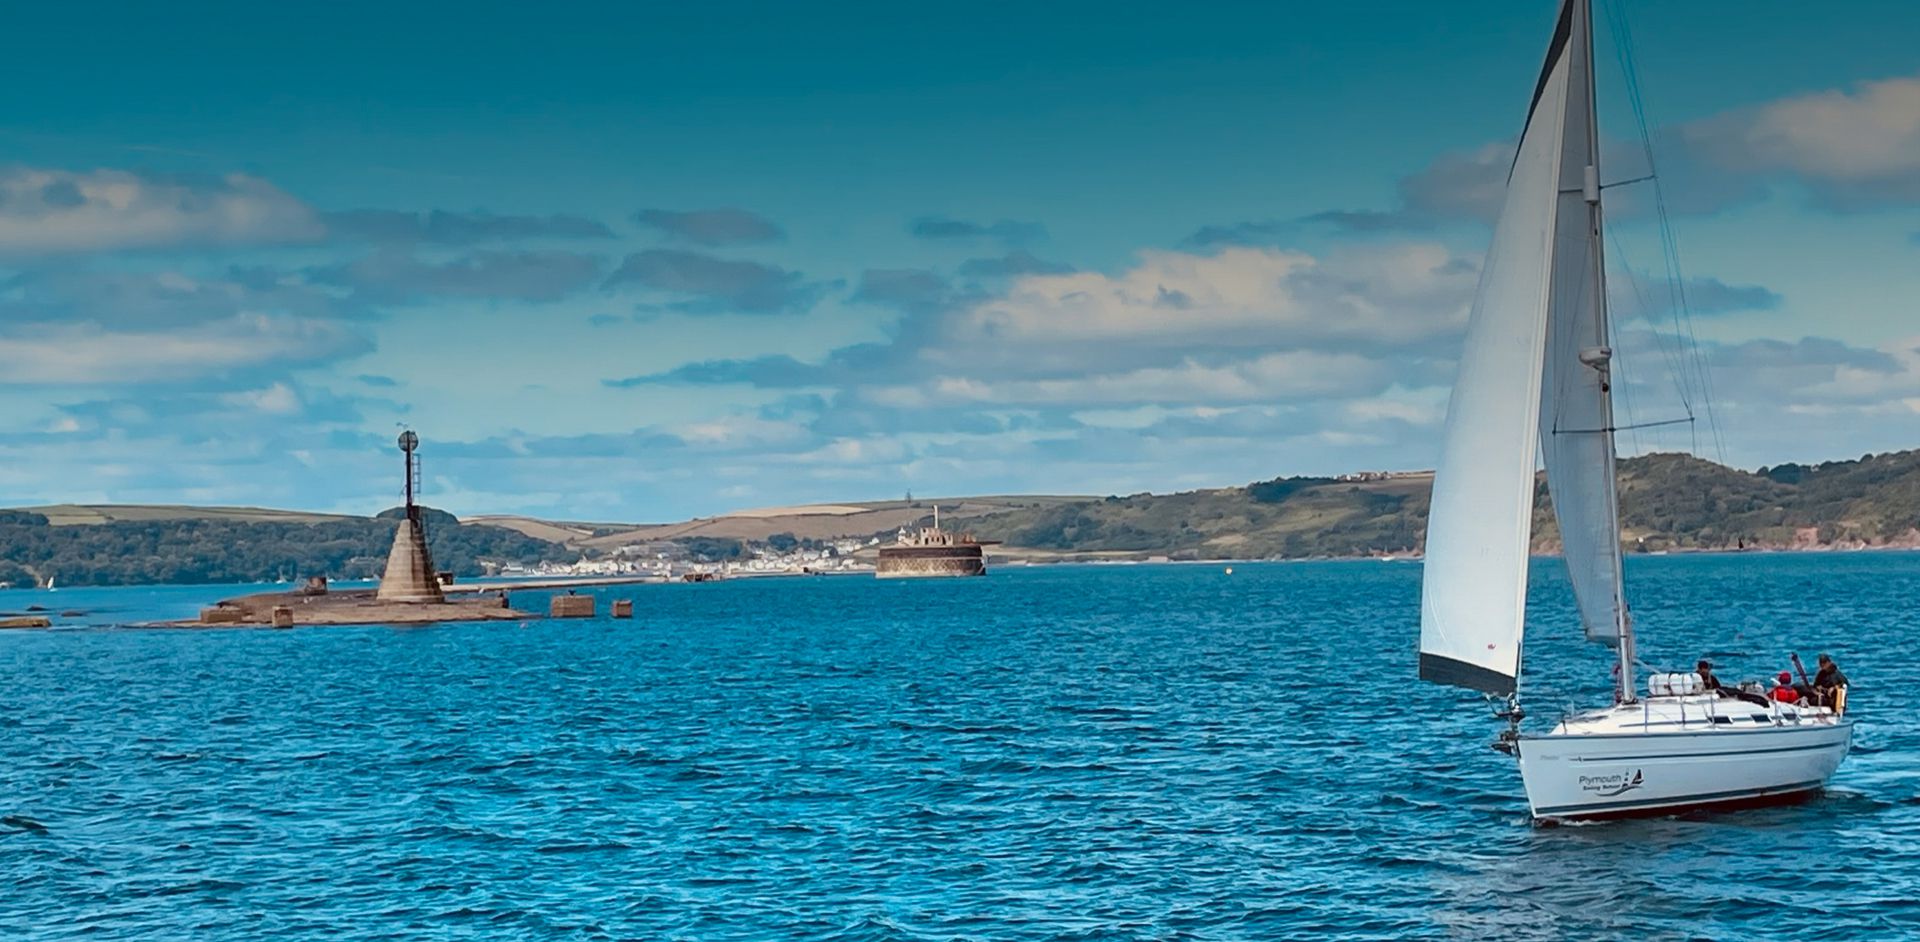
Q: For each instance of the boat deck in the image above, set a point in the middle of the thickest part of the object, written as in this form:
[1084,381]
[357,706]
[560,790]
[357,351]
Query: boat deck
[1692,713]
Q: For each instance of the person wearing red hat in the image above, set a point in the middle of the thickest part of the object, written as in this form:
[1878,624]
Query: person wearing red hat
[1783,688]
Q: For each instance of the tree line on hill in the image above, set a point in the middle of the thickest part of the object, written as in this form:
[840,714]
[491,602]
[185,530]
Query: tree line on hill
[143,552]
[1667,502]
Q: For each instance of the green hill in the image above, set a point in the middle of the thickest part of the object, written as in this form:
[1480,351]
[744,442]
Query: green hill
[1282,518]
[140,546]
[1667,502]
[1683,502]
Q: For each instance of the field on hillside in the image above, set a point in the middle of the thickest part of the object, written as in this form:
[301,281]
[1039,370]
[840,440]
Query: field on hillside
[833,521]
[61,515]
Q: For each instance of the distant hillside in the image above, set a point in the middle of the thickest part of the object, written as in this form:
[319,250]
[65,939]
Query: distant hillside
[66,515]
[805,522]
[146,545]
[1282,518]
[1678,501]
[1667,502]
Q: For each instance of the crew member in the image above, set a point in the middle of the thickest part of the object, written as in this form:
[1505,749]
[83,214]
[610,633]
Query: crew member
[1707,680]
[1711,682]
[1827,681]
[1783,688]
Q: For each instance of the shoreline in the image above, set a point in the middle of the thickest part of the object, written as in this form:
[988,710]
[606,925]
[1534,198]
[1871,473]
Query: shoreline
[556,583]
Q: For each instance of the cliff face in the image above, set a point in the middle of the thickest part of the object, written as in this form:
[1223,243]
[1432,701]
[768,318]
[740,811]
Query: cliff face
[1668,502]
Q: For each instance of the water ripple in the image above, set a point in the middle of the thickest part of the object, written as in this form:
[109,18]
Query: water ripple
[1049,754]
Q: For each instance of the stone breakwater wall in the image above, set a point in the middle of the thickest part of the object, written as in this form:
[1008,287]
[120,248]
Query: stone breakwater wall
[914,561]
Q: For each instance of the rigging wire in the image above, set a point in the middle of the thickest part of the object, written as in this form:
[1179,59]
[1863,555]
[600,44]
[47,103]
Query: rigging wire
[1671,348]
[1700,383]
[1626,372]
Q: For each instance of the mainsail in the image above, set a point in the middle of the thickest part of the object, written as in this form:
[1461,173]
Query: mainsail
[1474,594]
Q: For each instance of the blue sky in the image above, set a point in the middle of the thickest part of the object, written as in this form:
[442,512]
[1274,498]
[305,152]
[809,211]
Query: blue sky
[642,262]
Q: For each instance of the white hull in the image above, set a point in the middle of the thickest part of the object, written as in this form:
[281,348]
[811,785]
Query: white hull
[1666,755]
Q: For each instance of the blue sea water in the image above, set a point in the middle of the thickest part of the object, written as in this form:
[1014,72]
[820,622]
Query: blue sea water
[1138,752]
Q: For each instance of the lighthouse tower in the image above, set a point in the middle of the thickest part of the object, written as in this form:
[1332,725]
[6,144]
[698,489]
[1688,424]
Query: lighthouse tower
[409,576]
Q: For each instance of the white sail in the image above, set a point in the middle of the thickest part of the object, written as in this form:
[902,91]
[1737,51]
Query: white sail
[1576,415]
[1473,600]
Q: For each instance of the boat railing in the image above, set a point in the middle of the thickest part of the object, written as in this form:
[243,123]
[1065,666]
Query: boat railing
[1706,712]
[1707,715]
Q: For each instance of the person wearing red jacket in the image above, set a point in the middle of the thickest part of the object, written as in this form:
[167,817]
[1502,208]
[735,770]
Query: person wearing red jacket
[1783,689]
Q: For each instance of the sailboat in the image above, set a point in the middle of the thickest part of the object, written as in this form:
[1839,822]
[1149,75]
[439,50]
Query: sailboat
[1535,388]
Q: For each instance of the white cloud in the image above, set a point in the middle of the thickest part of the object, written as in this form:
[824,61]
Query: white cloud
[1773,400]
[1243,344]
[1244,325]
[1291,374]
[1243,296]
[740,431]
[51,212]
[1427,409]
[1856,148]
[1862,141]
[86,354]
[843,452]
[276,399]
[1875,384]
[155,299]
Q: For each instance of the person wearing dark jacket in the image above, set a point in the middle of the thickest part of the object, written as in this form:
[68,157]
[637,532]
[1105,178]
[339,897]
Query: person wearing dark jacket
[1711,682]
[1707,680]
[1827,681]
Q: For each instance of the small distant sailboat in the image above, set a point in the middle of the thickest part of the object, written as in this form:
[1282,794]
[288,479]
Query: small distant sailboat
[1535,386]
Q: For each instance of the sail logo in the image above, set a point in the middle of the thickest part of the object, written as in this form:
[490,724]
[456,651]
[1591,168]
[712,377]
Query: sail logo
[1607,786]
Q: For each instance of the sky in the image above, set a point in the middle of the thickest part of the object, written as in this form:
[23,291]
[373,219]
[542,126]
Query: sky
[644,262]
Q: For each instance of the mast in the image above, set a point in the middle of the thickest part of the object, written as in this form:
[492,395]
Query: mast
[409,442]
[1600,356]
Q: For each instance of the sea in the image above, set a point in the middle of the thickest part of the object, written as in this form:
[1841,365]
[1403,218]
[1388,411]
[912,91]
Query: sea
[1084,752]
